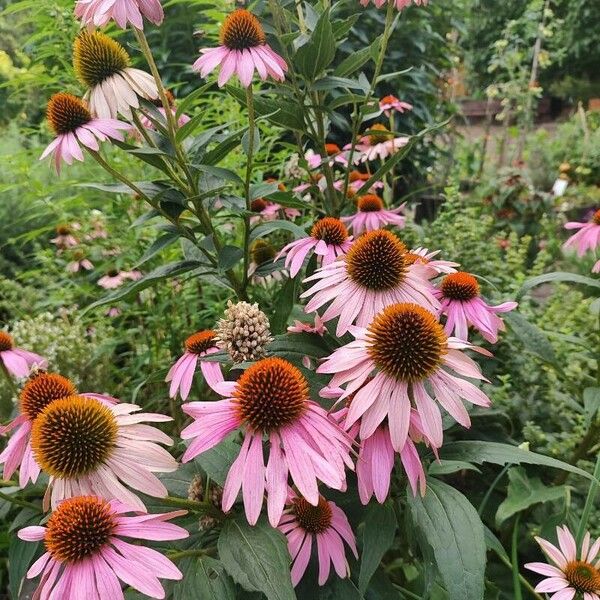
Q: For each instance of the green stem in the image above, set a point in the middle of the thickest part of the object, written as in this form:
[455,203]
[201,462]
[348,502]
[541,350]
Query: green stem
[357,119]
[504,560]
[514,556]
[7,406]
[19,502]
[332,209]
[249,165]
[589,503]
[192,552]
[205,508]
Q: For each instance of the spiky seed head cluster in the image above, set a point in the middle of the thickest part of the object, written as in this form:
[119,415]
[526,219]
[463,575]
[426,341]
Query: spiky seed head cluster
[196,493]
[243,332]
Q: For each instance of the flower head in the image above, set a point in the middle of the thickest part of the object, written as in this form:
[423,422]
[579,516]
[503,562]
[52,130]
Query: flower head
[16,361]
[372,274]
[434,266]
[303,523]
[372,215]
[463,306]
[97,13]
[114,279]
[181,374]
[103,65]
[90,446]
[410,359]
[74,127]
[328,240]
[181,120]
[569,575]
[390,103]
[588,236]
[243,332]
[243,49]
[84,552]
[64,237]
[379,144]
[270,400]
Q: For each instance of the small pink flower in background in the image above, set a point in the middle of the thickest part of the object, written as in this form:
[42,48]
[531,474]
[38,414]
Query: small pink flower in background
[97,13]
[410,359]
[181,374]
[243,50]
[335,155]
[596,267]
[569,575]
[38,392]
[378,145]
[80,263]
[372,274]
[181,121]
[64,237]
[357,181]
[390,103]
[16,361]
[85,556]
[328,240]
[113,311]
[269,211]
[93,447]
[588,236]
[114,279]
[434,266]
[373,215]
[300,327]
[399,4]
[463,306]
[74,127]
[270,399]
[326,524]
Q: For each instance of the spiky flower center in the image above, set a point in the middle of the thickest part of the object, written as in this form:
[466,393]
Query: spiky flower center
[63,230]
[596,217]
[376,260]
[389,99]
[406,342]
[263,252]
[583,576]
[460,286]
[332,149]
[6,341]
[66,113]
[382,134]
[271,394]
[200,341]
[72,436]
[331,230]
[369,203]
[241,30]
[170,99]
[258,205]
[79,528]
[358,176]
[313,519]
[97,57]
[41,389]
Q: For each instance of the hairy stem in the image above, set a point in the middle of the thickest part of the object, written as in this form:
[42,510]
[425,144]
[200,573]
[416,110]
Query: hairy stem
[248,179]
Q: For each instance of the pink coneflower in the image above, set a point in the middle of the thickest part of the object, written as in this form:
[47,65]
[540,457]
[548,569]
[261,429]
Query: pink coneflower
[271,398]
[85,556]
[434,266]
[463,306]
[181,121]
[261,269]
[97,13]
[114,279]
[318,327]
[64,237]
[80,263]
[18,362]
[390,103]
[379,145]
[335,155]
[571,576]
[324,522]
[370,276]
[181,374]
[588,236]
[409,355]
[89,446]
[103,65]
[269,211]
[373,215]
[41,389]
[399,4]
[328,240]
[243,49]
[74,127]
[357,181]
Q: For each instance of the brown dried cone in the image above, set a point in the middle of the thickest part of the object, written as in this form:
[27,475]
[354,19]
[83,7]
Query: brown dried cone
[215,497]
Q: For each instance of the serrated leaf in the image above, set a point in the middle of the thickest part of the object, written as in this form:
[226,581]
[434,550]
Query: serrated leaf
[257,558]
[524,492]
[378,535]
[451,528]
[531,336]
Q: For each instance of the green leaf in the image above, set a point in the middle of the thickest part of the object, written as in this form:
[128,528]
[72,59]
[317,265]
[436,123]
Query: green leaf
[378,536]
[157,245]
[447,467]
[270,226]
[531,336]
[288,199]
[555,277]
[353,62]
[219,173]
[524,492]
[494,544]
[591,403]
[283,305]
[217,461]
[186,102]
[503,454]
[257,558]
[204,578]
[451,529]
[229,256]
[318,53]
[294,346]
[20,555]
[246,141]
[260,190]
